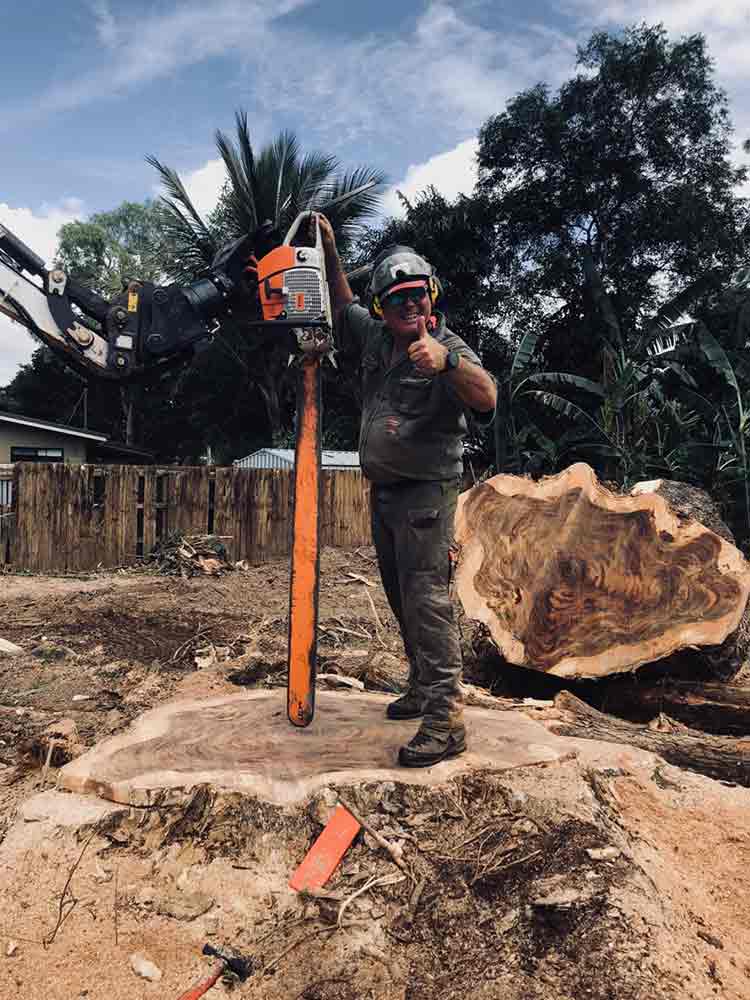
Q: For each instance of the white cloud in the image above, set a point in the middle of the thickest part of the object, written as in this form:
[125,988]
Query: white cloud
[38,230]
[725,23]
[444,73]
[451,173]
[16,348]
[163,43]
[204,185]
[443,77]
[104,21]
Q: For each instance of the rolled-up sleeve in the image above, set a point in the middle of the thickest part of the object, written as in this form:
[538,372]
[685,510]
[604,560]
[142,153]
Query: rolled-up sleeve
[483,418]
[353,328]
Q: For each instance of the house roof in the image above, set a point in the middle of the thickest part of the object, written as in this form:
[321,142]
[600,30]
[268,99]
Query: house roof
[284,458]
[45,425]
[117,448]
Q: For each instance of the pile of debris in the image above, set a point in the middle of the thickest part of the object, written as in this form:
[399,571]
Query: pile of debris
[191,555]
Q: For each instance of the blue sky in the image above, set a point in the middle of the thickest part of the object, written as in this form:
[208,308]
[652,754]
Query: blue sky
[88,92]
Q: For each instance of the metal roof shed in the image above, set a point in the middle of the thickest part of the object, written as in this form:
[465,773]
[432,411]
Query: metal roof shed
[283,458]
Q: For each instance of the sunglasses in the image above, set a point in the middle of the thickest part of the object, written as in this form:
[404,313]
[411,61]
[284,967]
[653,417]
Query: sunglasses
[404,295]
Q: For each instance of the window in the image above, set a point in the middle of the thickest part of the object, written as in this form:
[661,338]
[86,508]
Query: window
[37,454]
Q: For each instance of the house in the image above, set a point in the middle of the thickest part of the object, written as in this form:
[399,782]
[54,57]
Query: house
[27,439]
[283,458]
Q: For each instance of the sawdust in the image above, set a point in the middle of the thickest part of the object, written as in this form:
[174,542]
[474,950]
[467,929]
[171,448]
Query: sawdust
[503,898]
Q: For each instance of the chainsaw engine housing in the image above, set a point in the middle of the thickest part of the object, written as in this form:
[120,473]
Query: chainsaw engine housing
[293,285]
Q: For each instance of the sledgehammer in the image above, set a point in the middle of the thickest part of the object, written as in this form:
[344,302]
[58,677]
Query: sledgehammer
[240,967]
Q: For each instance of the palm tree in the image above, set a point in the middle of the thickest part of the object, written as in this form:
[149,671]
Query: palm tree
[273,186]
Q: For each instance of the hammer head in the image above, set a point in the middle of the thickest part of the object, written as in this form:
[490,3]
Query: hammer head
[240,967]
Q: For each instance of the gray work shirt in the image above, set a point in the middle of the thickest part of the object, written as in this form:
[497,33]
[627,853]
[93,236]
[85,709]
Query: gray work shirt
[427,443]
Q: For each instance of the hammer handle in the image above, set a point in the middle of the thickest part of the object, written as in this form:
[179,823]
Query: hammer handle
[197,991]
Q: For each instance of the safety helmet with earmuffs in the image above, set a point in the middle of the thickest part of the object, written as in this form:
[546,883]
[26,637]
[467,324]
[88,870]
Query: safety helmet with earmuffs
[393,266]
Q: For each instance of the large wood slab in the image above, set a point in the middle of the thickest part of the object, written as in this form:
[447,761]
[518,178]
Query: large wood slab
[576,581]
[245,743]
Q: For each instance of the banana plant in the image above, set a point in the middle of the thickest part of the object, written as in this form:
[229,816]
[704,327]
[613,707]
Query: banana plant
[735,415]
[506,434]
[620,412]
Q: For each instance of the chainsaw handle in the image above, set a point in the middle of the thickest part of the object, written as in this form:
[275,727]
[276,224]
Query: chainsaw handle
[293,229]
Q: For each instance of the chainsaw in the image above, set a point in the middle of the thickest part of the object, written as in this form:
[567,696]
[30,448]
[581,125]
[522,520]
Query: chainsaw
[293,291]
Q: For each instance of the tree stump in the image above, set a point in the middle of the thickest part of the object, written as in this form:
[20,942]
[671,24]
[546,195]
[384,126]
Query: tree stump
[576,581]
[244,743]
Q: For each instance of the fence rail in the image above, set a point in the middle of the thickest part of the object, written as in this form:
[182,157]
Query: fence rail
[69,518]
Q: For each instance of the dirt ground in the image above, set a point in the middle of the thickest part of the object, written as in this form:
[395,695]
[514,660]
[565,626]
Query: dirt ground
[609,875]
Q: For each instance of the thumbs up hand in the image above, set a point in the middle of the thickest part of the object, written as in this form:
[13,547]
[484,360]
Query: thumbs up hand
[427,354]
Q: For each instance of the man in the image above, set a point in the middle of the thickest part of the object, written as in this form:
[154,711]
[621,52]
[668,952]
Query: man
[418,381]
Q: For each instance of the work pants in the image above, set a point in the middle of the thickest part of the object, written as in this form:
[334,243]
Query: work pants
[412,529]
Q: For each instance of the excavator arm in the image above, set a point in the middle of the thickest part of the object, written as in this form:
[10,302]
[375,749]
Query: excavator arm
[146,326]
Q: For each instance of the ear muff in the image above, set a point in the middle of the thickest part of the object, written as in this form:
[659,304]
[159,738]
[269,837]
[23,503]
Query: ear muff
[436,289]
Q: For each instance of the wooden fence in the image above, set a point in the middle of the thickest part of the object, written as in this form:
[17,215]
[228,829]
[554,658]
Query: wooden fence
[69,518]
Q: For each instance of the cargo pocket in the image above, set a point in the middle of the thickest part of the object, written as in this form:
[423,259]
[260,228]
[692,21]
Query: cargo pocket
[425,539]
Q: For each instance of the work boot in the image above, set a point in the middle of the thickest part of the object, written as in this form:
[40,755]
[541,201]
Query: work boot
[435,740]
[409,706]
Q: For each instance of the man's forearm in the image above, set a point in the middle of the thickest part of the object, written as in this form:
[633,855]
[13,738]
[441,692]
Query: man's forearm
[473,386]
[341,293]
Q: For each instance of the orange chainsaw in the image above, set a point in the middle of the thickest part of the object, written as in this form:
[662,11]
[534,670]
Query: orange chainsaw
[293,289]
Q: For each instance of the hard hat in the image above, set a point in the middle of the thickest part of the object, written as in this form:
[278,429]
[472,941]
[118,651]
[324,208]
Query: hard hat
[396,265]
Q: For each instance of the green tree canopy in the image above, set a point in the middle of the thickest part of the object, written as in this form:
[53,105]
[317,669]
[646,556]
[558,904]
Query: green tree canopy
[630,160]
[110,248]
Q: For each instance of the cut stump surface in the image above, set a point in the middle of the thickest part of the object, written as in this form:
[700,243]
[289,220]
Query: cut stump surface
[244,743]
[576,581]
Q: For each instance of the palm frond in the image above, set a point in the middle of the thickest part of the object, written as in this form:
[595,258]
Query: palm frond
[314,182]
[275,171]
[192,243]
[176,190]
[241,203]
[285,154]
[247,158]
[349,217]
